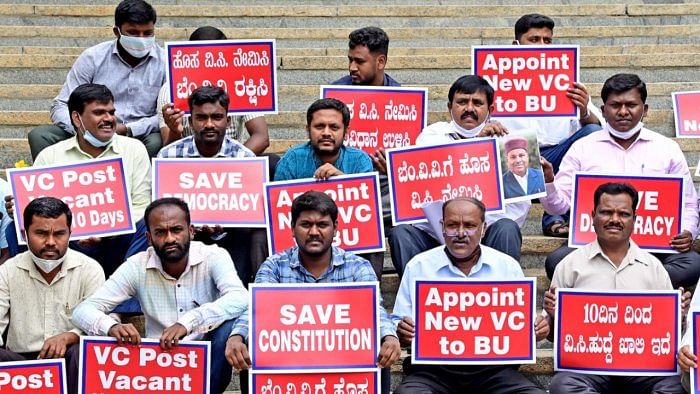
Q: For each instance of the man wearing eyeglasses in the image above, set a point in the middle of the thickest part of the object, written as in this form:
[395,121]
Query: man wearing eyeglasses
[132,66]
[462,257]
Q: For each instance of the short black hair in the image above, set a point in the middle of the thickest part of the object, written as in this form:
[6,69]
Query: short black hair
[374,38]
[135,11]
[470,84]
[613,189]
[529,21]
[86,94]
[620,83]
[314,201]
[208,94]
[328,103]
[207,33]
[46,207]
[480,205]
[176,202]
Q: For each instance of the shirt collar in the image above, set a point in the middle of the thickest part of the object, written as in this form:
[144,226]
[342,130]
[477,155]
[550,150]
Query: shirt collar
[447,264]
[633,254]
[337,162]
[28,265]
[114,146]
[644,135]
[337,258]
[195,257]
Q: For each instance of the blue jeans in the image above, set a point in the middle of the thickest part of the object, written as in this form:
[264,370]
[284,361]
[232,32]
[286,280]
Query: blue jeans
[555,154]
[220,372]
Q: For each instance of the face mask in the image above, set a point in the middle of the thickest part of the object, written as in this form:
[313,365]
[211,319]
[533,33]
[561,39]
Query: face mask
[137,47]
[91,139]
[46,265]
[624,135]
[469,133]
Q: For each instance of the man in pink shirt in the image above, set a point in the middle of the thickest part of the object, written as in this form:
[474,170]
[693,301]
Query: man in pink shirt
[624,146]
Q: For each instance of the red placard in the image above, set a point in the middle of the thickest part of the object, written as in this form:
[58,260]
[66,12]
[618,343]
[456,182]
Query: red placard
[529,80]
[419,175]
[313,326]
[95,190]
[474,322]
[360,224]
[223,191]
[381,117]
[327,382]
[109,368]
[246,69]
[35,376]
[617,332]
[686,111]
[695,330]
[659,210]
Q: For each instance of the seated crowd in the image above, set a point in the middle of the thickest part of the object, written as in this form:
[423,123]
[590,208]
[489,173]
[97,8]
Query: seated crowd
[114,103]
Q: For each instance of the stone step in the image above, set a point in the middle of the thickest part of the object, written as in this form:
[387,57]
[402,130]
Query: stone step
[603,34]
[398,51]
[435,62]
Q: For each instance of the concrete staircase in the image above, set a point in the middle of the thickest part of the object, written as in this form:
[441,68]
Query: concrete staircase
[430,46]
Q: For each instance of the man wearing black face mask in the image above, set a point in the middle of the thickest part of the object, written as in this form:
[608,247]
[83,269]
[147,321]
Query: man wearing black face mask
[132,66]
[624,146]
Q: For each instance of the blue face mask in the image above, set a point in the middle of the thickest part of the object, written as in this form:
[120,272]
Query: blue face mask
[91,139]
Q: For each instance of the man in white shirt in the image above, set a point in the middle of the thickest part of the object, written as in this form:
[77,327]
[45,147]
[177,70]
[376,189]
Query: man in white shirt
[187,290]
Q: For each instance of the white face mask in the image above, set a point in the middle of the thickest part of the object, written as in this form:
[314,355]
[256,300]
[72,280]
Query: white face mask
[137,47]
[46,265]
[469,133]
[90,138]
[624,135]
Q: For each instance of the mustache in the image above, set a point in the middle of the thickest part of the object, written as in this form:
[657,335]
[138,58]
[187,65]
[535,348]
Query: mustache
[469,114]
[106,123]
[613,225]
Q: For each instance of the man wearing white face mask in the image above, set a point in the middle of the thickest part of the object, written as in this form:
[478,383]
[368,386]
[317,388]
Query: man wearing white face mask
[92,114]
[624,146]
[469,101]
[132,66]
[39,289]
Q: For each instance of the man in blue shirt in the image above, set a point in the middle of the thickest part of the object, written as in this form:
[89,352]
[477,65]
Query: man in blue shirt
[462,257]
[324,155]
[314,260]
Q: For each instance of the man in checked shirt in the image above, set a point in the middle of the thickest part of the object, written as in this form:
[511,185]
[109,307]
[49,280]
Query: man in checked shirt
[187,290]
[314,223]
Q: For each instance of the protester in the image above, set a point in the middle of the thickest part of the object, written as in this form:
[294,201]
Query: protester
[209,123]
[187,290]
[92,112]
[555,135]
[368,51]
[325,155]
[314,260]
[5,222]
[469,103]
[625,146]
[612,262]
[462,257]
[172,120]
[39,289]
[132,66]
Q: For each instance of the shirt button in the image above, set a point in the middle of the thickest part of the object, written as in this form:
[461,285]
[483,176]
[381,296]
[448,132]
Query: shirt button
[178,285]
[180,309]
